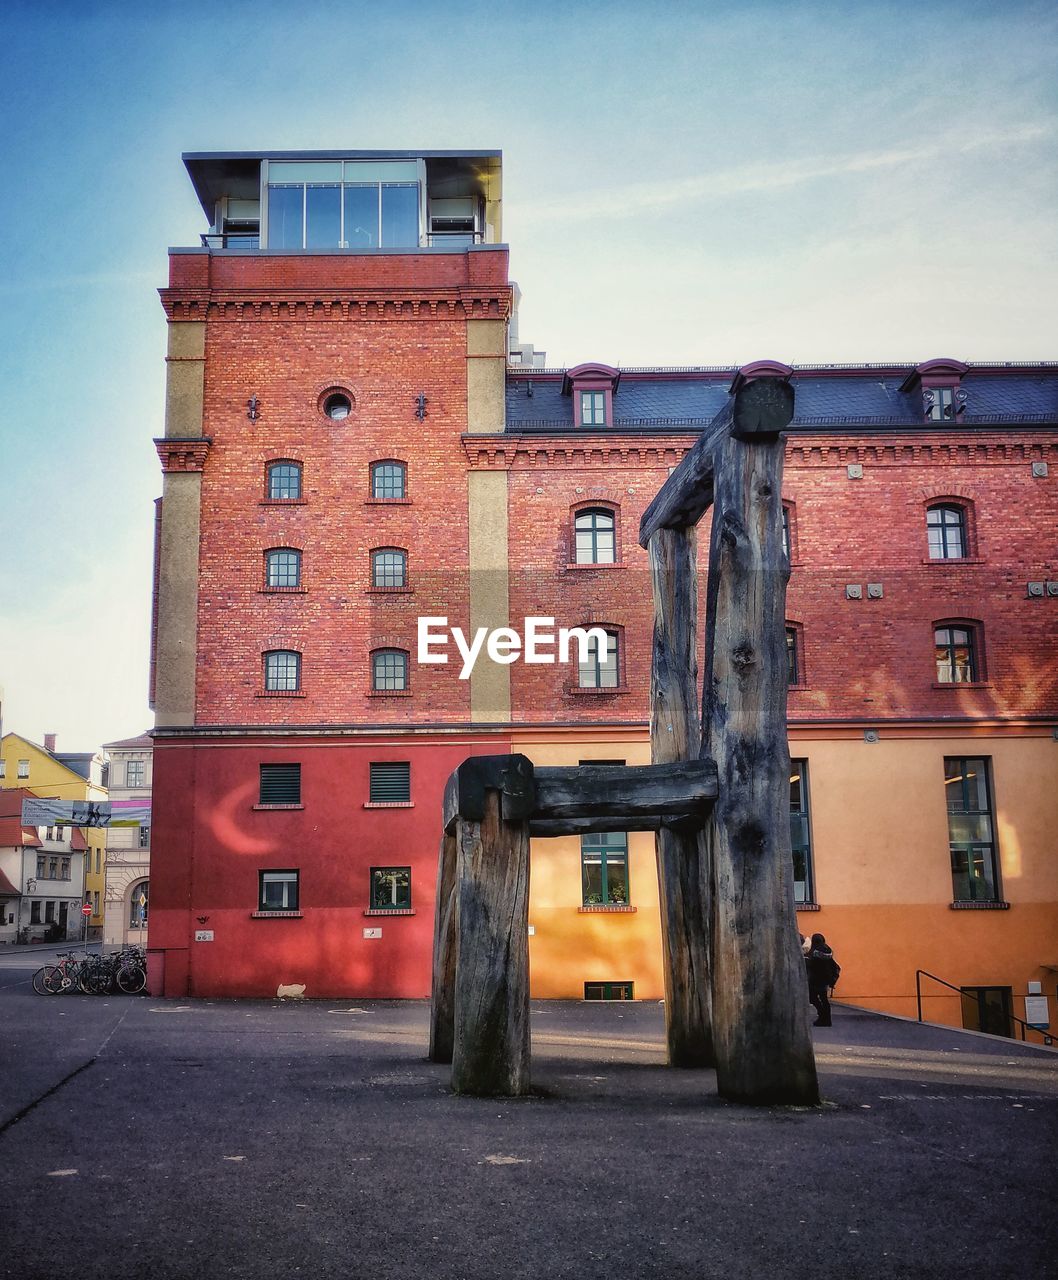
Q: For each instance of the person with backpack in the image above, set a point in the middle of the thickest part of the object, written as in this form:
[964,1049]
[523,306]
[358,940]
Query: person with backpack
[823,973]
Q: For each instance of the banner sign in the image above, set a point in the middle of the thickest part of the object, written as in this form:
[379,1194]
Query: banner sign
[86,813]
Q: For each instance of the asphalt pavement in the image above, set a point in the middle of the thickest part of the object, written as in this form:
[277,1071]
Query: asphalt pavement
[155,1138]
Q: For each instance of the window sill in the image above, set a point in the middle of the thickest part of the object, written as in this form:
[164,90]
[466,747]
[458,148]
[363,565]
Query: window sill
[950,685]
[283,502]
[258,807]
[275,915]
[389,591]
[980,906]
[955,560]
[797,688]
[617,564]
[389,693]
[807,906]
[580,690]
[282,591]
[389,804]
[606,908]
[388,502]
[280,693]
[389,911]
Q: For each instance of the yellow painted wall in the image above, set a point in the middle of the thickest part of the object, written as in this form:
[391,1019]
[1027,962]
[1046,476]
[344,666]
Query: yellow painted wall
[49,777]
[882,873]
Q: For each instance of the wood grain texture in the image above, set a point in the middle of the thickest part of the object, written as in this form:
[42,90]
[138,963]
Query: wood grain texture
[683,874]
[761,1033]
[675,789]
[491,1045]
[443,989]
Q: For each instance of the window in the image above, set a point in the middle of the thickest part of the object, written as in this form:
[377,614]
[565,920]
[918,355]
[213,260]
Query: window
[280,784]
[278,891]
[389,481]
[138,902]
[336,205]
[282,671]
[23,768]
[389,671]
[134,773]
[34,913]
[41,864]
[95,902]
[793,662]
[594,537]
[64,869]
[49,912]
[604,869]
[800,832]
[939,403]
[389,567]
[946,532]
[593,408]
[956,652]
[601,670]
[284,481]
[970,833]
[390,783]
[53,868]
[337,406]
[3,768]
[99,858]
[391,888]
[282,568]
[988,1009]
[609,991]
[145,837]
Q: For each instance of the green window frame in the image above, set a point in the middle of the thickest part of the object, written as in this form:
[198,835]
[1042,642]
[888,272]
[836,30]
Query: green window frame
[946,531]
[609,991]
[604,869]
[593,408]
[284,481]
[391,888]
[280,784]
[971,829]
[594,536]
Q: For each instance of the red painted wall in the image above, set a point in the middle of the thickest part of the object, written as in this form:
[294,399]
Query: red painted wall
[216,843]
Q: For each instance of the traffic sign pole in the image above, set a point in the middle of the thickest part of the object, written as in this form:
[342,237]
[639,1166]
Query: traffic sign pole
[86,911]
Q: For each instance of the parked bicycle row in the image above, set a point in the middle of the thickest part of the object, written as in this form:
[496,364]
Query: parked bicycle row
[95,975]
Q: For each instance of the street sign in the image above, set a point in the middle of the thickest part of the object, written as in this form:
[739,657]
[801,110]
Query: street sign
[86,910]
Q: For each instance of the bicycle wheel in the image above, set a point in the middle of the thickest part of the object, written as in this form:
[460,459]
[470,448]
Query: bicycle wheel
[55,979]
[131,980]
[100,981]
[38,980]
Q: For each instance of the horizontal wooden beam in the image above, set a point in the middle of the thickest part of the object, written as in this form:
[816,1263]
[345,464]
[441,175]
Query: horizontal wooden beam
[548,827]
[683,789]
[757,411]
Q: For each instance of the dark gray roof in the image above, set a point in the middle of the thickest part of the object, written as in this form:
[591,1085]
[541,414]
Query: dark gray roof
[867,396]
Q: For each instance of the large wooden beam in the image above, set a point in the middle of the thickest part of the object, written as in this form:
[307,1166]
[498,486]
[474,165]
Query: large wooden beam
[757,410]
[465,790]
[761,1033]
[491,1047]
[683,872]
[543,827]
[682,789]
[445,944]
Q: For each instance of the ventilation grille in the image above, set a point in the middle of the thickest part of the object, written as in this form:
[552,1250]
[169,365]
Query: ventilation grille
[391,783]
[280,784]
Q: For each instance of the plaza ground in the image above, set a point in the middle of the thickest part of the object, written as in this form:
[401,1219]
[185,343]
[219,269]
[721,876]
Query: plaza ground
[166,1138]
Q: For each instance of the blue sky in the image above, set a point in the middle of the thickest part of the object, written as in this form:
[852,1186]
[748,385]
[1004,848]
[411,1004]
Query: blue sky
[683,184]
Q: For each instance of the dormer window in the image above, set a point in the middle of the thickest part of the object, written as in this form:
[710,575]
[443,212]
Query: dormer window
[592,388]
[938,383]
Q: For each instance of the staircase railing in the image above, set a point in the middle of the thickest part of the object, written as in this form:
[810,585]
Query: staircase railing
[1047,1037]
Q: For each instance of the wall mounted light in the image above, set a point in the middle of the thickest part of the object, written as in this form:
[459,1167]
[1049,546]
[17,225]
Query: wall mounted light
[253,408]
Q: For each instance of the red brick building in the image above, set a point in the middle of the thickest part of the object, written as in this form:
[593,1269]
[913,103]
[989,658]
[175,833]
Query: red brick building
[347,450]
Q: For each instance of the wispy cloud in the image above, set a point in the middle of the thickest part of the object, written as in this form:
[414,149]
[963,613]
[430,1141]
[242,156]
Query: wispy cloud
[642,197]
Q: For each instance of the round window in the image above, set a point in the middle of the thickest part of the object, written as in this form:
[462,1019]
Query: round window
[337,405]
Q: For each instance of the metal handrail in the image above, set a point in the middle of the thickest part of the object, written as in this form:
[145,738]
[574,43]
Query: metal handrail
[1048,1039]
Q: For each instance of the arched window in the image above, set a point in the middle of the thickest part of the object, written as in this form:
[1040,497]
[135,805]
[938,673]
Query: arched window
[282,567]
[794,663]
[282,671]
[946,531]
[594,537]
[283,481]
[601,668]
[389,670]
[389,480]
[139,899]
[958,652]
[389,567]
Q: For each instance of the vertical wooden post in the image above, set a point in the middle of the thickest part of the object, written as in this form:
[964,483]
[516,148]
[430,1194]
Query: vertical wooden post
[491,1048]
[443,994]
[683,873]
[761,1031]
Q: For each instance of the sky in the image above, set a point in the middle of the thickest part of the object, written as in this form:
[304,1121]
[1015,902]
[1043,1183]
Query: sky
[684,184]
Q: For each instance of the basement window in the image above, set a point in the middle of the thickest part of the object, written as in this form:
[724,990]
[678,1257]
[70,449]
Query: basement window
[609,991]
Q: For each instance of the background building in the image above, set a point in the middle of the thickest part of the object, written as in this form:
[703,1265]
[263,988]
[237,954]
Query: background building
[347,448]
[41,877]
[128,854]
